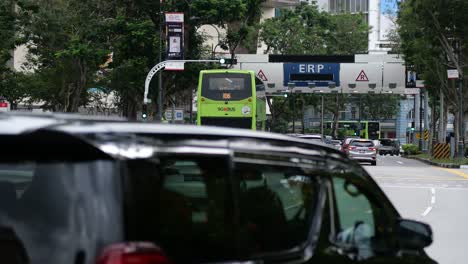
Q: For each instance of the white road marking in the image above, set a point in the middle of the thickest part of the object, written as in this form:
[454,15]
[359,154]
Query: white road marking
[433,200]
[427,211]
[419,187]
[399,162]
[433,191]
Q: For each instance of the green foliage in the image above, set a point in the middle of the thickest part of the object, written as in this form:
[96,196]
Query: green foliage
[410,149]
[429,31]
[379,106]
[306,30]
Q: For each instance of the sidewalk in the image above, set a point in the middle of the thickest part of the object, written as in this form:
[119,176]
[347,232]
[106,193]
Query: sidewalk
[438,164]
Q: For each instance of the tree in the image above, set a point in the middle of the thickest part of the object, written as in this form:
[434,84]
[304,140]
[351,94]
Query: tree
[67,42]
[433,38]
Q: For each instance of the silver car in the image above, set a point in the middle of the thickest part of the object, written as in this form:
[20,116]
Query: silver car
[363,150]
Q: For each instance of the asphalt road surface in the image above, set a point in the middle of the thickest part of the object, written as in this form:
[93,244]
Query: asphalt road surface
[434,195]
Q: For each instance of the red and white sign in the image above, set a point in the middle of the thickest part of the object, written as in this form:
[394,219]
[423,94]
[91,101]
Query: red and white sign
[362,77]
[4,107]
[261,75]
[174,17]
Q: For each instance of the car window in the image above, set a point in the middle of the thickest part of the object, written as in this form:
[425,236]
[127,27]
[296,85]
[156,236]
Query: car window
[183,205]
[49,211]
[388,143]
[276,202]
[199,211]
[362,143]
[356,224]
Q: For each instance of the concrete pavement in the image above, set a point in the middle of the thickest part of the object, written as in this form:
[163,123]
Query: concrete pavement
[429,194]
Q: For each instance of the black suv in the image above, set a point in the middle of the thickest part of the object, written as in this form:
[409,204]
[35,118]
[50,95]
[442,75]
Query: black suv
[77,191]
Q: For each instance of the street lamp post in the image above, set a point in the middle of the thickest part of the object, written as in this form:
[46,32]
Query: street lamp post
[160,99]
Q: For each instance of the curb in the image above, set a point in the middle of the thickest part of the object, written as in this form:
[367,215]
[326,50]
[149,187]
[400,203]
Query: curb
[443,165]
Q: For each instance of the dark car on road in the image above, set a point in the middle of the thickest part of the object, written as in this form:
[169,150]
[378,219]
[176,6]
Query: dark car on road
[89,192]
[389,146]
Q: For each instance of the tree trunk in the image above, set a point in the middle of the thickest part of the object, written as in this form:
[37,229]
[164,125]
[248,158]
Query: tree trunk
[336,117]
[80,85]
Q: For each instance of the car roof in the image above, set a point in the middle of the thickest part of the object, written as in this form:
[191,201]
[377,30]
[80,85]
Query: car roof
[119,129]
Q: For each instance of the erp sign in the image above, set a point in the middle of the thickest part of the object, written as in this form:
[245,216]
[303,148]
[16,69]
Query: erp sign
[319,73]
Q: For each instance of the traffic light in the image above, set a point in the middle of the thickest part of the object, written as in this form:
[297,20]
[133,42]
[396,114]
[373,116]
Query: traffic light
[224,61]
[144,112]
[412,126]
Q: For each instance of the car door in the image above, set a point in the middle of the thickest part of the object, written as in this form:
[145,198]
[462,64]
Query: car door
[362,222]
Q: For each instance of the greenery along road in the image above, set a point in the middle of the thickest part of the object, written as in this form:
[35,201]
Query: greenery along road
[70,42]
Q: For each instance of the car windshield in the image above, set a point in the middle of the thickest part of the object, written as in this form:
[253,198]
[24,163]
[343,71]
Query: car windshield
[388,142]
[50,211]
[209,219]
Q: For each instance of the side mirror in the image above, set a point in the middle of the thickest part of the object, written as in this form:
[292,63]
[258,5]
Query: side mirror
[413,234]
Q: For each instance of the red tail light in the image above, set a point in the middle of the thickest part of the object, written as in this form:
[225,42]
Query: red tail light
[351,147]
[133,253]
[373,149]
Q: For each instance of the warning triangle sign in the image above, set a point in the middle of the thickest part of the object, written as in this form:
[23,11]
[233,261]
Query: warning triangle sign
[262,76]
[362,77]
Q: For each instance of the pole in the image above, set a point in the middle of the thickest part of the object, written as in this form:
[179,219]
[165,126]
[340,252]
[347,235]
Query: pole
[426,118]
[359,116]
[415,117]
[461,148]
[441,118]
[294,113]
[420,121]
[160,99]
[321,118]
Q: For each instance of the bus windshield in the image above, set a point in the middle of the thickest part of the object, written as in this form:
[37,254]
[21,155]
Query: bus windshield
[219,86]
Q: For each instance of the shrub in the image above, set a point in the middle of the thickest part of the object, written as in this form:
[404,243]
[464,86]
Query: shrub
[411,149]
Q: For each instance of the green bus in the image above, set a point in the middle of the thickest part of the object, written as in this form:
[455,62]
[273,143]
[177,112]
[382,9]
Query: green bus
[231,98]
[368,129]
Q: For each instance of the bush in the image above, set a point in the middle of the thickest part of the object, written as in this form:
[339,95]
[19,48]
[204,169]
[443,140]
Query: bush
[411,149]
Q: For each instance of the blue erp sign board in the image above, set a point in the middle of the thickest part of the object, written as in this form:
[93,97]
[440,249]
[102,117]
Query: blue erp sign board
[319,73]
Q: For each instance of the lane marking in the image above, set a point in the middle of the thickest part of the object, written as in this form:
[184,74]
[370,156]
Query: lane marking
[457,172]
[433,200]
[423,178]
[433,191]
[419,187]
[427,211]
[399,162]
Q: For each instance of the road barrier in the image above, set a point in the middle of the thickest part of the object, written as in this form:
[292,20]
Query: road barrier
[441,151]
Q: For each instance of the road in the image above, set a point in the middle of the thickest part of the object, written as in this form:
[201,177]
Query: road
[430,194]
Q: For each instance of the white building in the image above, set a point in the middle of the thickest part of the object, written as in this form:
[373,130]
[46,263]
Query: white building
[379,14]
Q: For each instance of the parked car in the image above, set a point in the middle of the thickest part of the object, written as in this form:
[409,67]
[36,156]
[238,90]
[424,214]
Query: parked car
[389,146]
[80,191]
[363,150]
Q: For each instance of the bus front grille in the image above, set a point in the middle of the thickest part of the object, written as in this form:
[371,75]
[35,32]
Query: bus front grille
[234,122]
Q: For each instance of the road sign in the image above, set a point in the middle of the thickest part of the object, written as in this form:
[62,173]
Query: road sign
[418,135]
[4,106]
[179,115]
[362,77]
[412,90]
[174,66]
[261,75]
[304,73]
[452,74]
